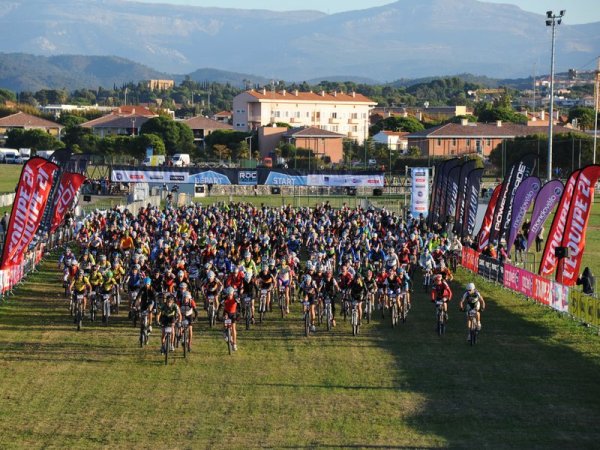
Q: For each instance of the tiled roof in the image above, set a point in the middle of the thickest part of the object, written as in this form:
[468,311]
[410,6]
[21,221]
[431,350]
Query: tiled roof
[23,120]
[204,123]
[486,130]
[395,133]
[223,114]
[310,96]
[113,121]
[134,109]
[312,132]
[110,120]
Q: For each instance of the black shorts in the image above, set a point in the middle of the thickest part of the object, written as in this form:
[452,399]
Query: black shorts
[233,317]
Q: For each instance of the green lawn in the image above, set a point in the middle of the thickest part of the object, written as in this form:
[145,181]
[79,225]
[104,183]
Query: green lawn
[9,177]
[530,383]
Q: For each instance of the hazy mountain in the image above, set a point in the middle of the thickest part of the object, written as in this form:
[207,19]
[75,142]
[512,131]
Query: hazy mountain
[407,38]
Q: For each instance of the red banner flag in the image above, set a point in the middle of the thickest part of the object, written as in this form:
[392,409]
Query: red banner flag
[577,220]
[33,190]
[67,191]
[555,236]
[486,226]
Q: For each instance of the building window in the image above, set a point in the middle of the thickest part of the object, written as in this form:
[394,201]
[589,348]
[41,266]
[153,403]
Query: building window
[287,114]
[354,115]
[439,142]
[334,115]
[489,142]
[307,114]
[298,114]
[277,114]
[355,128]
[334,128]
[454,142]
[468,142]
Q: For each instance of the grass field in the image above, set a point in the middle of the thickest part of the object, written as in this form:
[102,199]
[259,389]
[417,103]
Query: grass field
[9,177]
[530,383]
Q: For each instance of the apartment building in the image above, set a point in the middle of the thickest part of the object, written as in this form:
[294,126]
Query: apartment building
[338,112]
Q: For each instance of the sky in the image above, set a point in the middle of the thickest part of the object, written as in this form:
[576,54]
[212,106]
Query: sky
[578,11]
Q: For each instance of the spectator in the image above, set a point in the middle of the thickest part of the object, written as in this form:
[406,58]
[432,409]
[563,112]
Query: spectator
[587,281]
[4,222]
[538,240]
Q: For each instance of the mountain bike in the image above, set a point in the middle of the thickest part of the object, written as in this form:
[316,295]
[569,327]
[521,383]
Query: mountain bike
[355,319]
[427,280]
[228,324]
[212,311]
[79,310]
[105,307]
[93,306]
[473,326]
[403,306]
[282,303]
[306,310]
[346,303]
[248,311]
[185,335]
[262,304]
[393,307]
[328,312]
[117,297]
[167,345]
[440,317]
[132,306]
[369,305]
[144,328]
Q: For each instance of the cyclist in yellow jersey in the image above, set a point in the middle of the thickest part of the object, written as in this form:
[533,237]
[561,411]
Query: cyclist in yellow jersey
[80,285]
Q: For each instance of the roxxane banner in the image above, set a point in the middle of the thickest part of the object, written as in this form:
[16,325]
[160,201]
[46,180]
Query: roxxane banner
[577,220]
[546,200]
[524,197]
[33,190]
[555,236]
[67,191]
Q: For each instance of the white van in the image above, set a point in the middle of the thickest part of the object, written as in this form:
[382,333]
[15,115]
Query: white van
[180,159]
[8,155]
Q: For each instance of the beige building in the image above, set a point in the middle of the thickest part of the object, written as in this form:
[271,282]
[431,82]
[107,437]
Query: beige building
[338,112]
[27,122]
[160,85]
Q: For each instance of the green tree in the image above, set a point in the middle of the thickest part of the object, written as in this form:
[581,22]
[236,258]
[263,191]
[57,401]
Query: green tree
[585,117]
[145,141]
[35,139]
[177,136]
[83,138]
[397,123]
[6,95]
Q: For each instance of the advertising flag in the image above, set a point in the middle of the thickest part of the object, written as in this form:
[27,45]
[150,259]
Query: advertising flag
[30,201]
[471,202]
[545,201]
[548,262]
[65,196]
[524,197]
[444,196]
[484,232]
[437,194]
[462,194]
[434,188]
[577,221]
[419,191]
[513,179]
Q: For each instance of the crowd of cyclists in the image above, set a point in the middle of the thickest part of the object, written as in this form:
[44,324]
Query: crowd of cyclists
[240,261]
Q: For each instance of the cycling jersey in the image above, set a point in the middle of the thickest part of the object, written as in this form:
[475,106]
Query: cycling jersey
[472,299]
[230,306]
[187,308]
[168,314]
[80,285]
[96,279]
[440,291]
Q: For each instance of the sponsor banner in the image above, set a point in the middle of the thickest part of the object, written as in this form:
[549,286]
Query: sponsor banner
[32,195]
[470,259]
[65,197]
[542,290]
[147,175]
[463,187]
[519,171]
[577,221]
[545,201]
[444,189]
[560,297]
[512,276]
[484,232]
[209,177]
[491,269]
[559,223]
[453,186]
[419,199]
[471,202]
[247,177]
[284,179]
[526,280]
[524,197]
[374,181]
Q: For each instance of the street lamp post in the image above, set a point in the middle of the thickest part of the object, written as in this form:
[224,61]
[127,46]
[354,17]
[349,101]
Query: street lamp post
[249,145]
[551,21]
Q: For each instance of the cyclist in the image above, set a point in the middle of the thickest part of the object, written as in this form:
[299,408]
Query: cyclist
[371,285]
[358,292]
[213,287]
[108,285]
[427,263]
[472,299]
[309,291]
[168,315]
[230,311]
[404,280]
[146,300]
[187,306]
[103,264]
[134,284]
[266,280]
[79,286]
[95,278]
[441,291]
[246,290]
[283,280]
[329,288]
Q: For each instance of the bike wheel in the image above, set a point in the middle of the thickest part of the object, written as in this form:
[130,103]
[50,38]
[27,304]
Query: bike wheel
[306,324]
[229,343]
[210,316]
[142,338]
[248,319]
[185,341]
[329,320]
[354,323]
[167,347]
[79,320]
[393,314]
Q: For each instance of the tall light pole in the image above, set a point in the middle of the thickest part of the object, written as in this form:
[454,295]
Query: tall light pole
[596,88]
[551,21]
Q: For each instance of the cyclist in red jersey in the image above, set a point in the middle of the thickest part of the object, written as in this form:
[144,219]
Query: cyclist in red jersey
[230,306]
[441,291]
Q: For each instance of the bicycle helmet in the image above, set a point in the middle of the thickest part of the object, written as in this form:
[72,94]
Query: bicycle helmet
[471,287]
[108,274]
[147,280]
[229,291]
[307,278]
[248,277]
[211,275]
[180,273]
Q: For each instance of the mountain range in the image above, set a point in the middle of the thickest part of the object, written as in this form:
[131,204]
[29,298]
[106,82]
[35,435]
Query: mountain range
[404,39]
